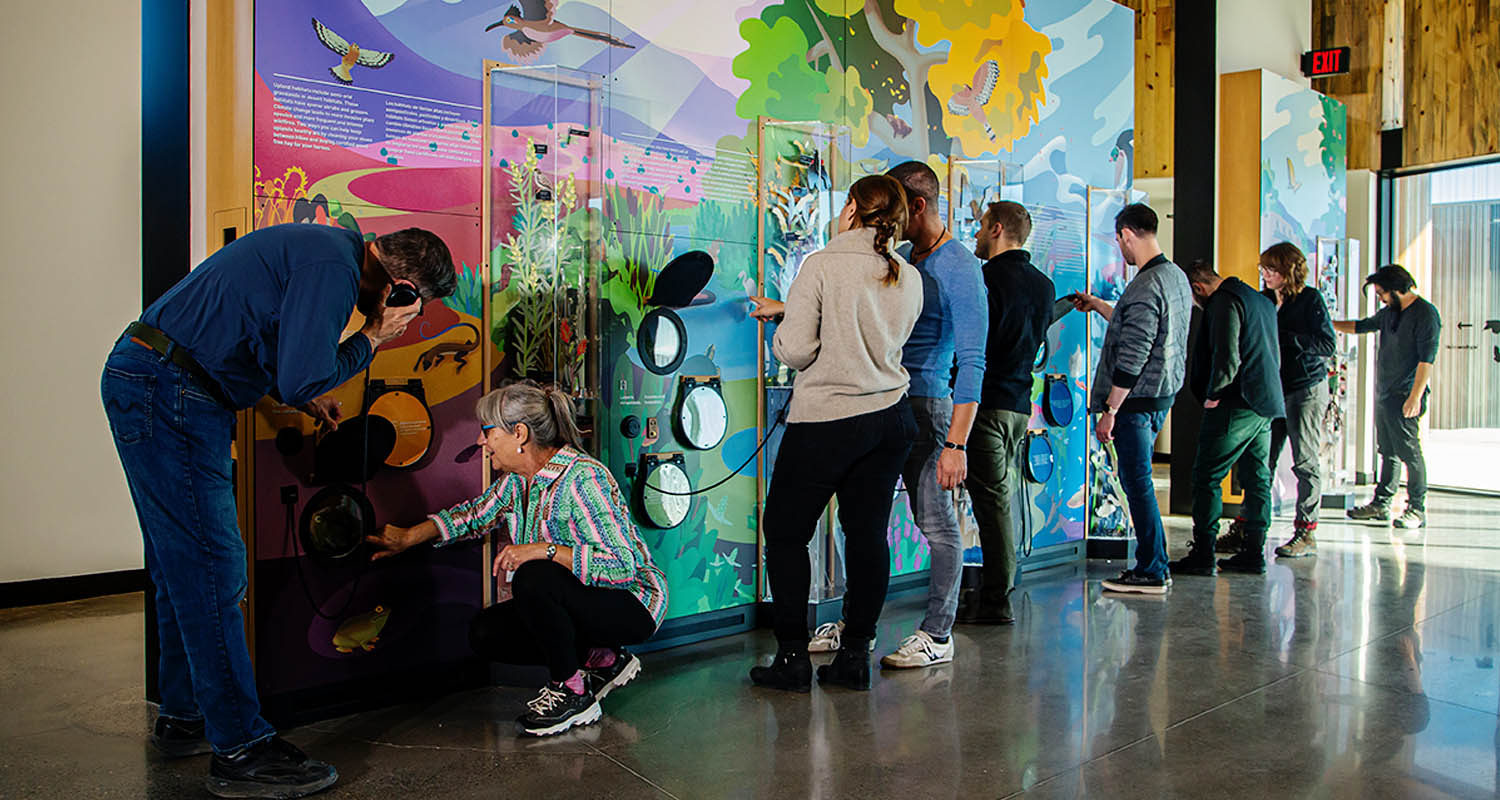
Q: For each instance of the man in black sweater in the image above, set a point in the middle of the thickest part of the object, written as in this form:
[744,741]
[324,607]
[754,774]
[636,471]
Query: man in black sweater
[1236,372]
[1409,329]
[1021,308]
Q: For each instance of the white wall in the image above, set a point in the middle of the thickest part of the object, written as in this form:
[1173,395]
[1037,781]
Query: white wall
[1265,34]
[70,217]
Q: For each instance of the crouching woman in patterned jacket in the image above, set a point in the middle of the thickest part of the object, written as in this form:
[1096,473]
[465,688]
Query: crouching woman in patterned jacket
[583,583]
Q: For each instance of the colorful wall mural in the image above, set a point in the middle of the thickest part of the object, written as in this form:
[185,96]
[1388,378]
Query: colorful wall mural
[1304,201]
[368,114]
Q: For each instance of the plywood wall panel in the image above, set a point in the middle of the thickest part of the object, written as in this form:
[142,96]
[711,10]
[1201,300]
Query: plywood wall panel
[1155,89]
[1452,52]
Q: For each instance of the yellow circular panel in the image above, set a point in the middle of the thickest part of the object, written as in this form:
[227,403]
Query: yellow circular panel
[413,426]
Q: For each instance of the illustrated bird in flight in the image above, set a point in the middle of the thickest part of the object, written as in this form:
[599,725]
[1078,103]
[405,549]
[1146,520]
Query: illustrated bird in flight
[353,56]
[534,29]
[969,101]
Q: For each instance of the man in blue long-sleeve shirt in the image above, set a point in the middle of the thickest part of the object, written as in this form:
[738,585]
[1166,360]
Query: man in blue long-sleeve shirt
[261,316]
[943,399]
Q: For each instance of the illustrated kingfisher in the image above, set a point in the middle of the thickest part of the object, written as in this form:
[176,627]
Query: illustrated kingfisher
[353,56]
[969,101]
[534,29]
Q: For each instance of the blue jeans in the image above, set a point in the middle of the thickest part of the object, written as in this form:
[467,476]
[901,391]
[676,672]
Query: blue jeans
[936,516]
[174,440]
[1135,438]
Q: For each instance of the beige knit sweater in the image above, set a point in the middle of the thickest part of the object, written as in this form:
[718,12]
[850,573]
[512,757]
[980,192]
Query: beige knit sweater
[844,329]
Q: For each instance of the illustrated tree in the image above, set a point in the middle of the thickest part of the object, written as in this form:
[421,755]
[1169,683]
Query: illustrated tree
[980,35]
[871,53]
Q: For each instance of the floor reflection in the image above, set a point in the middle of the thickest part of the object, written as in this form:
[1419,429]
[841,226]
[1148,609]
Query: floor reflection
[1368,671]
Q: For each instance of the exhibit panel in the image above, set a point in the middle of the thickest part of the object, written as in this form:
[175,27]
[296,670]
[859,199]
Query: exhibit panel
[608,240]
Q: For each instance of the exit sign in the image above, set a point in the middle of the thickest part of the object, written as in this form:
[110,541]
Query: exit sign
[1322,63]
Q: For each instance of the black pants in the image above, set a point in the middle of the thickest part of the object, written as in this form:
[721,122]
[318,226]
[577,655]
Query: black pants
[1398,440]
[858,459]
[553,619]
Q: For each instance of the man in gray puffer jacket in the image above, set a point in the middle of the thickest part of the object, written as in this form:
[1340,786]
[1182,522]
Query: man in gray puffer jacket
[1141,369]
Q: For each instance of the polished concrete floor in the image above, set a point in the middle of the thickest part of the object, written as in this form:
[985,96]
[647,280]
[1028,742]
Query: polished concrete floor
[1368,671]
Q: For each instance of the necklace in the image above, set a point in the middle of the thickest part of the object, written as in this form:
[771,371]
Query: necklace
[916,254]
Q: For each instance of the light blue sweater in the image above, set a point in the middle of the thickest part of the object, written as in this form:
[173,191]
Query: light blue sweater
[954,323]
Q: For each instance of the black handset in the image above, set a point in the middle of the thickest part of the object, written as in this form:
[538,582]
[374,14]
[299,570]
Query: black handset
[402,294]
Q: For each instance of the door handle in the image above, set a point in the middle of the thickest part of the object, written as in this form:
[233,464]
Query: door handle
[1463,325]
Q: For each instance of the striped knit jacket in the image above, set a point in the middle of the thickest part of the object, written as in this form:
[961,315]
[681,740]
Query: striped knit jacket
[574,502]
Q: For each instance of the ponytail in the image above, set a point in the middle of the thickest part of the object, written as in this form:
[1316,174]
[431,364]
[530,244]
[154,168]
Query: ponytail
[880,203]
[563,416]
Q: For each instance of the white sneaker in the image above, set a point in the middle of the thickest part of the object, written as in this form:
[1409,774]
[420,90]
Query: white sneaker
[919,650]
[828,637]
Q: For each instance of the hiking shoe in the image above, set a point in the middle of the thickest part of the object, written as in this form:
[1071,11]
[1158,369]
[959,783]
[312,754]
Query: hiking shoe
[968,605]
[558,708]
[1234,540]
[602,680]
[920,650]
[828,637]
[179,738]
[1371,512]
[989,609]
[1196,562]
[1252,563]
[1411,519]
[850,668]
[271,767]
[790,671]
[1300,545]
[1132,582]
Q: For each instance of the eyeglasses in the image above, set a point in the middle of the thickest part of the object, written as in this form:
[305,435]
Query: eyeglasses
[487,428]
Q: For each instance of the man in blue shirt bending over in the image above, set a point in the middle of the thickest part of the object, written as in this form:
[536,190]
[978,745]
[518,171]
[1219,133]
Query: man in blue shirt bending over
[261,316]
[951,328]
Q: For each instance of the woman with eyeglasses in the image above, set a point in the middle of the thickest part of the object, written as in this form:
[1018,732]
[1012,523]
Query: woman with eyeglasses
[583,583]
[1307,342]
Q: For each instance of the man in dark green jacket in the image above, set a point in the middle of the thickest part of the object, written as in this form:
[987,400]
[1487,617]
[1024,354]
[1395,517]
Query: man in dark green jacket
[1236,372]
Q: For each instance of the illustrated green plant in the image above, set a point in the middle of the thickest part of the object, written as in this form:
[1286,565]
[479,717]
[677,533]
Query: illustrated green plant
[531,255]
[637,243]
[468,297]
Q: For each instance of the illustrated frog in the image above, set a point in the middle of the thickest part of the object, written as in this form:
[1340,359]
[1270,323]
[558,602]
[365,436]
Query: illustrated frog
[361,631]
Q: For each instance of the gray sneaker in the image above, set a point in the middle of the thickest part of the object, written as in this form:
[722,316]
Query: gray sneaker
[1411,519]
[1372,512]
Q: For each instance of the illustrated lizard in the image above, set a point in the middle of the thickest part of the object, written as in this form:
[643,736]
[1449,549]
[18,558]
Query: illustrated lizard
[460,351]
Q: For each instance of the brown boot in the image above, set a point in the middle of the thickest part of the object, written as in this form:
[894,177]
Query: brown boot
[1234,540]
[1303,542]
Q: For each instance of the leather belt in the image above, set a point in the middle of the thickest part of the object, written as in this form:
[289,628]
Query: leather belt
[146,335]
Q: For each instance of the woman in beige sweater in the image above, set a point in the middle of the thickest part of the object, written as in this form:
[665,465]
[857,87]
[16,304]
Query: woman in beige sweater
[846,317]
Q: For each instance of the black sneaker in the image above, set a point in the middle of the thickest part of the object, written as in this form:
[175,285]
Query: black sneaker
[850,668]
[272,767]
[1195,562]
[1253,563]
[1132,582]
[1371,512]
[790,671]
[178,738]
[556,709]
[603,680]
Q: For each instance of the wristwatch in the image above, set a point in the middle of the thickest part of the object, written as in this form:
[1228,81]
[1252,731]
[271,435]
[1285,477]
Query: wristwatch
[1111,411]
[551,551]
[953,446]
